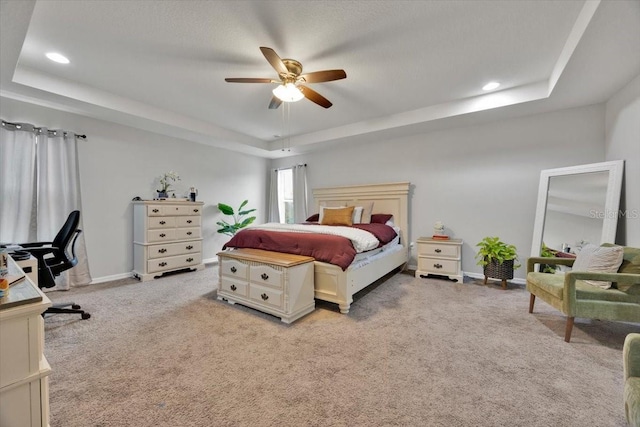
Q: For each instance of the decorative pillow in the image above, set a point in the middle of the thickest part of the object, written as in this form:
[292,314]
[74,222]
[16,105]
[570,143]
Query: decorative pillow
[357,214]
[367,208]
[314,218]
[380,218]
[327,208]
[337,216]
[598,259]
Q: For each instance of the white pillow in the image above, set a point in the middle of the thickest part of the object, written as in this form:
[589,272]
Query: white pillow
[357,214]
[598,259]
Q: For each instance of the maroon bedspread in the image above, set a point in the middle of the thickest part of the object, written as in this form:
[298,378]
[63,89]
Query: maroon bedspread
[327,248]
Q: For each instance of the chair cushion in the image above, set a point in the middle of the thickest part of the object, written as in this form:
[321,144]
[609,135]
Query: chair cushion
[554,285]
[599,259]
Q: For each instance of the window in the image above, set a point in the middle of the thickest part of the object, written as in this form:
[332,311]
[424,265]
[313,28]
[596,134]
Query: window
[285,195]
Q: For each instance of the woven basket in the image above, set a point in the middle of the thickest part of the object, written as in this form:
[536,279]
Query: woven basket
[502,271]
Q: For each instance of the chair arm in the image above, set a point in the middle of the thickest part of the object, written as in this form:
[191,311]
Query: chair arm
[531,262]
[570,277]
[631,356]
[34,244]
[41,252]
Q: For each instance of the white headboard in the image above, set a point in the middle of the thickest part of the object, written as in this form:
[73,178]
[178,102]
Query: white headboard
[391,198]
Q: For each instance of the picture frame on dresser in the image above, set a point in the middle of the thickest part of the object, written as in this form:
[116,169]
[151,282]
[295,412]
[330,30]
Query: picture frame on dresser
[167,237]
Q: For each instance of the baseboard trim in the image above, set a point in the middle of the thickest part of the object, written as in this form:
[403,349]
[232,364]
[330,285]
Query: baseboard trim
[516,281]
[96,280]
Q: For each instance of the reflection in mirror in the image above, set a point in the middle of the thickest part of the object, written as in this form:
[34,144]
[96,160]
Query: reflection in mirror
[577,205]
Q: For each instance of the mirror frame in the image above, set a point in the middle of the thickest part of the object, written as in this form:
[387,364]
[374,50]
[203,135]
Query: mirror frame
[612,202]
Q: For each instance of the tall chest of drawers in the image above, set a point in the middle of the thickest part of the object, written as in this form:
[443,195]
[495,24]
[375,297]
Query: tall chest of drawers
[167,237]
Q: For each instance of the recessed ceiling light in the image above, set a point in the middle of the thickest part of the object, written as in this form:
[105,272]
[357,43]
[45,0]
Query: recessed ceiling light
[491,86]
[56,57]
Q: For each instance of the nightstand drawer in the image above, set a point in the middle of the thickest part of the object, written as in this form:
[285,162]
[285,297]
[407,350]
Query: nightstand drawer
[438,266]
[440,250]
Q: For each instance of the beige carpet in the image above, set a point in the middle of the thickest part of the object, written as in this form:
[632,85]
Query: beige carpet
[412,352]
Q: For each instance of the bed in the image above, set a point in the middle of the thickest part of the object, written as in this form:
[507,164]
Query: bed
[337,284]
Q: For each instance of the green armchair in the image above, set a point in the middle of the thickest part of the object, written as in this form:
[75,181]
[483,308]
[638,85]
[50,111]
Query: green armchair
[575,298]
[631,361]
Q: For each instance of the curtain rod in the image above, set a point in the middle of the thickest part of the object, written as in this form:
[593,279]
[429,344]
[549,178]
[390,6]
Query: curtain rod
[19,126]
[290,167]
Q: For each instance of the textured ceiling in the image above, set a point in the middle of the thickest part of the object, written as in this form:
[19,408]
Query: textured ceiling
[160,65]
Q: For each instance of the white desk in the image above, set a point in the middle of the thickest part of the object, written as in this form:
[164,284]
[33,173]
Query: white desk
[24,387]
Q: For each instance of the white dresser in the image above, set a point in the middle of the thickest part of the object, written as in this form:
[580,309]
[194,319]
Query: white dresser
[167,237]
[440,257]
[275,283]
[24,370]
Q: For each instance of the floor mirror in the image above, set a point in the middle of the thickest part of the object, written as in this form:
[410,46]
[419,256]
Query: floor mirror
[577,205]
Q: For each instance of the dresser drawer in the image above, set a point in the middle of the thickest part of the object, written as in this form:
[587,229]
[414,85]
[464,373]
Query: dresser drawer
[187,233]
[266,296]
[266,275]
[184,210]
[162,222]
[439,250]
[233,286]
[234,268]
[170,263]
[170,249]
[156,210]
[438,266]
[188,221]
[161,235]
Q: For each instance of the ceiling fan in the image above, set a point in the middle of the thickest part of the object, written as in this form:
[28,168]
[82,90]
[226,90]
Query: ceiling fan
[292,83]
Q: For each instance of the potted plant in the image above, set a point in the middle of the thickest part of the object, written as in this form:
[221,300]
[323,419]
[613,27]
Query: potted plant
[239,221]
[498,259]
[165,184]
[546,252]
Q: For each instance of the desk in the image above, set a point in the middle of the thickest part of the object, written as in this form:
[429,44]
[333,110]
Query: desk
[24,387]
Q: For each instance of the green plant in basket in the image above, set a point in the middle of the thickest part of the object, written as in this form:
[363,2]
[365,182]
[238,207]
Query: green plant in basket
[239,220]
[493,249]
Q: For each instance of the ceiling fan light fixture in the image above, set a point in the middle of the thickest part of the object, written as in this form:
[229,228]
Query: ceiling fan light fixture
[288,93]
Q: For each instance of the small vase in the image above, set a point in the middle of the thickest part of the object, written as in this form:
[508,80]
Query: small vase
[162,195]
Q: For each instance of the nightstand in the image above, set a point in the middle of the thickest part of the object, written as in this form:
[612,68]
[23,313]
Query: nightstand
[440,257]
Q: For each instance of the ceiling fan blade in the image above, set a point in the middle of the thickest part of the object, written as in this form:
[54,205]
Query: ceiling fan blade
[274,60]
[314,96]
[324,76]
[275,103]
[249,80]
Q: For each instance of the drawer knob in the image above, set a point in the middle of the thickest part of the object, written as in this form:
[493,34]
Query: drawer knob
[189,233]
[264,297]
[162,264]
[233,269]
[163,250]
[162,235]
[189,247]
[438,251]
[189,259]
[189,221]
[162,222]
[265,276]
[437,265]
[196,210]
[155,210]
[233,288]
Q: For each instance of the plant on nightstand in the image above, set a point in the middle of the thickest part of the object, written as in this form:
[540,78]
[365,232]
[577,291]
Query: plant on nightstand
[238,221]
[497,258]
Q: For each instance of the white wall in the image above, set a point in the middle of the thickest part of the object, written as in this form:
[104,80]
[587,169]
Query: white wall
[480,180]
[118,163]
[623,143]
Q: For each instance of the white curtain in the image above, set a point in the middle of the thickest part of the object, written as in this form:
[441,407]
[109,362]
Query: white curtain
[274,207]
[300,193]
[48,198]
[17,186]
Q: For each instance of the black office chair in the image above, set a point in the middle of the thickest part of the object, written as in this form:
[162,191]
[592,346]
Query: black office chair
[53,259]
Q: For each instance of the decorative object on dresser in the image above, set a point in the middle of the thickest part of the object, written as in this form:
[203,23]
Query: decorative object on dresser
[167,237]
[440,257]
[24,370]
[165,184]
[498,259]
[438,231]
[276,283]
